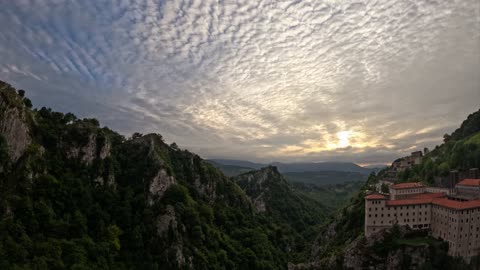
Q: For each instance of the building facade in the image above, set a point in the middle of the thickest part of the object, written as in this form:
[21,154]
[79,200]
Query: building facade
[453,216]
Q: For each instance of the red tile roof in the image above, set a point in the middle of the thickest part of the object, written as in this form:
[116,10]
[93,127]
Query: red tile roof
[457,204]
[409,202]
[424,198]
[375,196]
[436,199]
[407,185]
[429,195]
[470,182]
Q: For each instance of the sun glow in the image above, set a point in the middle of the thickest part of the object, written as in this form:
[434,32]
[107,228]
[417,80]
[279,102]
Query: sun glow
[343,139]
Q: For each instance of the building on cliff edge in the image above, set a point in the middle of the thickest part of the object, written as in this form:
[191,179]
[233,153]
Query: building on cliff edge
[450,214]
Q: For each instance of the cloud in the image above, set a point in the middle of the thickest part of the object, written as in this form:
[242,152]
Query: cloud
[262,80]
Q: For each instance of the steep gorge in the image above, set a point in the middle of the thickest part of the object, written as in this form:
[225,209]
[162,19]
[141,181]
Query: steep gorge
[76,195]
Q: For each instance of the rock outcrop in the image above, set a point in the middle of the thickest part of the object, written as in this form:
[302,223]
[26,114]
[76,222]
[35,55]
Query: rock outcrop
[159,184]
[89,152]
[13,123]
[258,185]
[365,253]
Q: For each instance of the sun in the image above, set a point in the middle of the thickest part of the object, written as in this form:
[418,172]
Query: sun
[343,139]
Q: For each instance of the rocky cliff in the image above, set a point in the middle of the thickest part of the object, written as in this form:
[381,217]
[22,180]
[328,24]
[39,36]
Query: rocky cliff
[342,245]
[273,197]
[13,125]
[76,195]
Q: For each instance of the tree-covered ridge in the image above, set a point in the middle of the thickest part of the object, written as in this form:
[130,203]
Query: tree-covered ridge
[80,196]
[469,127]
[341,243]
[273,196]
[333,196]
[344,231]
[460,151]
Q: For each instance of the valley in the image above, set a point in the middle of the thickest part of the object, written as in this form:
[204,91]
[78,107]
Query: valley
[77,195]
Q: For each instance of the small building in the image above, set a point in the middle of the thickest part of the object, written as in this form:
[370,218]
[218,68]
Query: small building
[468,189]
[405,190]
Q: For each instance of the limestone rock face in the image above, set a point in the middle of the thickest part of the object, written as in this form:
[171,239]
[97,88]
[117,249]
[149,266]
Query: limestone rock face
[88,152]
[358,254]
[105,150]
[167,220]
[159,184]
[259,204]
[258,185]
[14,129]
[207,189]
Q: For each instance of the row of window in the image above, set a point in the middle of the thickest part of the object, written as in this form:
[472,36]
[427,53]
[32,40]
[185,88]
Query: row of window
[406,191]
[405,220]
[452,211]
[424,206]
[395,214]
[452,219]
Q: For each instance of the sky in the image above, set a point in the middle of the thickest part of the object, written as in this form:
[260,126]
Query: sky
[291,81]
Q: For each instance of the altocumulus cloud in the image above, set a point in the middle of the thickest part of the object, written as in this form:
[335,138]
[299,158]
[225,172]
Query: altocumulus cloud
[365,81]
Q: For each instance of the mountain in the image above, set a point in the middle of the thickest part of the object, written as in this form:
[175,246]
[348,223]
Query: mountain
[238,163]
[459,152]
[325,173]
[298,167]
[333,195]
[230,170]
[324,177]
[321,166]
[74,195]
[273,196]
[342,245]
[469,127]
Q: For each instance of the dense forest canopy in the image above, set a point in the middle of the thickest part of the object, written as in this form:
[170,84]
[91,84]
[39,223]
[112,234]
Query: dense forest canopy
[75,195]
[81,196]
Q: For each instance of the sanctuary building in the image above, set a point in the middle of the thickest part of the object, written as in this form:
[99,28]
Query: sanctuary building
[450,214]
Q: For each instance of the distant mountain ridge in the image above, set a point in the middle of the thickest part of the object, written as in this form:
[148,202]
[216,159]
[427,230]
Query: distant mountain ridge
[298,167]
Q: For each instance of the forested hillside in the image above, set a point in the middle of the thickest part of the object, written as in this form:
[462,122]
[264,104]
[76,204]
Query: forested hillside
[74,195]
[341,243]
[460,151]
[272,195]
[332,196]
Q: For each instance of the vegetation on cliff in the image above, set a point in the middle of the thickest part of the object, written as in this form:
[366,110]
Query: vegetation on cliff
[344,231]
[80,196]
[460,151]
[273,196]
